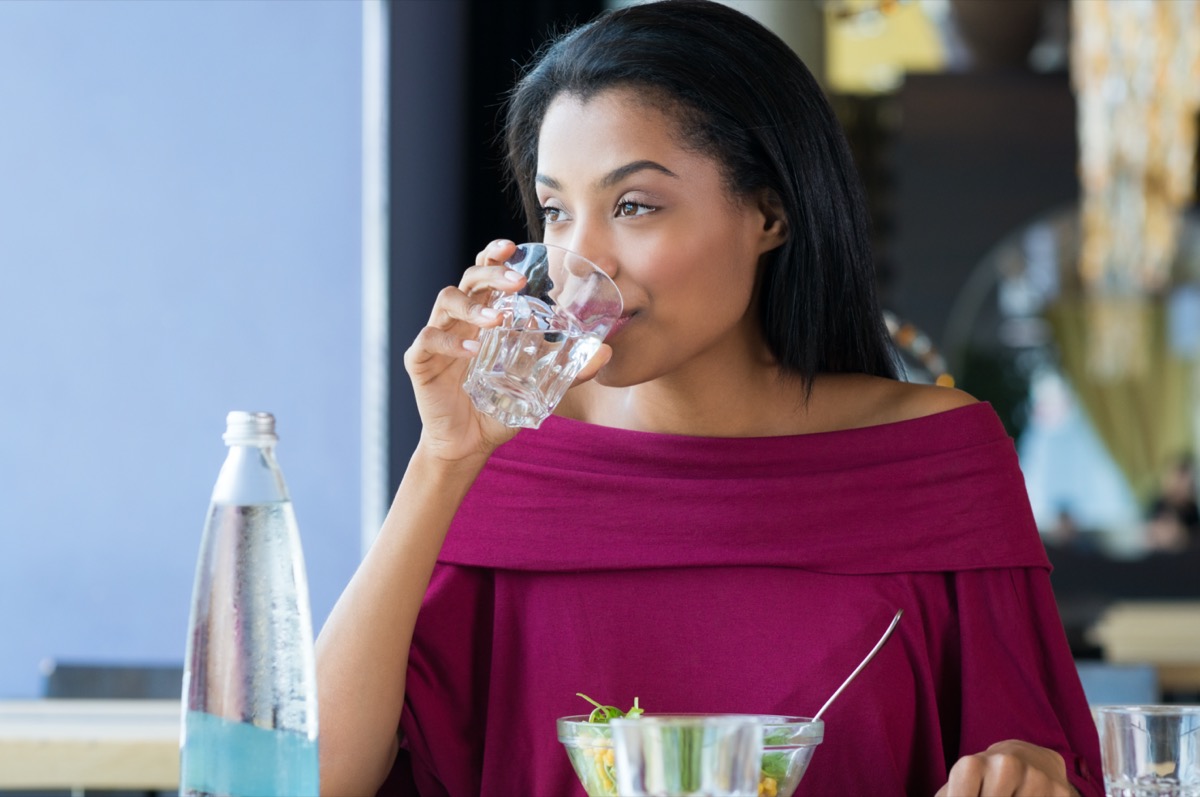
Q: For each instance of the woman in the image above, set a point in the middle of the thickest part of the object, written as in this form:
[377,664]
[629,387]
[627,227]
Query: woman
[728,514]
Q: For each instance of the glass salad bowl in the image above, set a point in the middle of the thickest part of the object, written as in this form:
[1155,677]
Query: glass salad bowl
[788,746]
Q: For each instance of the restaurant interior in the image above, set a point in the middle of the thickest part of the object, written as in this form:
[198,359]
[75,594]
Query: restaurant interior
[1031,169]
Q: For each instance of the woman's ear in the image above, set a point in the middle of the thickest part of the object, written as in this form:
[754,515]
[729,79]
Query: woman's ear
[775,222]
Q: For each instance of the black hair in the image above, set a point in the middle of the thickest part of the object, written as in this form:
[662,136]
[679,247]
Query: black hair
[743,97]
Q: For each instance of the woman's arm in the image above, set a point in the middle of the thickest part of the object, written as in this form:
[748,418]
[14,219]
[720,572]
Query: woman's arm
[362,652]
[1019,681]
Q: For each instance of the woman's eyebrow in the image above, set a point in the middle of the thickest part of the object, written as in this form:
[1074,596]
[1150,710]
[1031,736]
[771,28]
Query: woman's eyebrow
[621,172]
[612,178]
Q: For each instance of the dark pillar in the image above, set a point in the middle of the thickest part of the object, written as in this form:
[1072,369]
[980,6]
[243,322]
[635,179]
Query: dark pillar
[426,161]
[448,65]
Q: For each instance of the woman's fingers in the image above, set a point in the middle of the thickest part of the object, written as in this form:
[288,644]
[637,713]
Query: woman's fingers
[1009,768]
[489,271]
[496,252]
[432,343]
[469,301]
[598,361]
[460,312]
[481,279]
[453,305]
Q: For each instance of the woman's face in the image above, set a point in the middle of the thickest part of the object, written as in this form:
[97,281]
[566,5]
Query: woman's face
[618,186]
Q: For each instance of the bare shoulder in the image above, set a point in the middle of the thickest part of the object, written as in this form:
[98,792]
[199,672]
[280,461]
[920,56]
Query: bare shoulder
[917,401]
[873,401]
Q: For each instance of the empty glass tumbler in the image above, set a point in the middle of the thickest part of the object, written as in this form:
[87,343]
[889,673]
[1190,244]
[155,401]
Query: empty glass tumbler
[249,683]
[688,755]
[1150,751]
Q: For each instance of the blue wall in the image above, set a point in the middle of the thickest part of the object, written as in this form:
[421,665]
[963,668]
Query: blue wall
[179,237]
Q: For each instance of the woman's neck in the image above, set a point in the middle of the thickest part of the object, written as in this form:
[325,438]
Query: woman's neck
[758,403]
[752,400]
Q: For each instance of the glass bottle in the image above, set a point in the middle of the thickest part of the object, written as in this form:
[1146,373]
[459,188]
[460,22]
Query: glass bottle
[249,683]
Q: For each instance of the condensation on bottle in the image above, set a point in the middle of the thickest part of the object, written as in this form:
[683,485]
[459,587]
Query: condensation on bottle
[249,683]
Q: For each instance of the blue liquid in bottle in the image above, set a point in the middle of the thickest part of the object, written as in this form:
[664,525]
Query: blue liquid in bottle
[249,685]
[237,758]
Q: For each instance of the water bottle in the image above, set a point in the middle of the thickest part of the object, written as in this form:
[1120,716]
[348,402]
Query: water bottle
[249,682]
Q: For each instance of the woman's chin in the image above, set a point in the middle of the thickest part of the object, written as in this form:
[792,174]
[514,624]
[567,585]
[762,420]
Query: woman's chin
[617,374]
[606,378]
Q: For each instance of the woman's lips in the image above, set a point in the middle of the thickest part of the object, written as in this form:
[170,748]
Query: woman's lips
[620,323]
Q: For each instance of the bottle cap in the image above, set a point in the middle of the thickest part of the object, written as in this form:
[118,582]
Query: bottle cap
[249,428]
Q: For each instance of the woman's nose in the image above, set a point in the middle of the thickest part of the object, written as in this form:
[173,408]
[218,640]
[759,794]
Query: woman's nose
[595,247]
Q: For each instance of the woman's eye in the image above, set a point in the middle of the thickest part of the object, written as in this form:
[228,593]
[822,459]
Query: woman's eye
[550,214]
[633,209]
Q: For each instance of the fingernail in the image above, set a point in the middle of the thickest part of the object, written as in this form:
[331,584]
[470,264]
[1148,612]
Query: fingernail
[513,276]
[489,312]
[471,345]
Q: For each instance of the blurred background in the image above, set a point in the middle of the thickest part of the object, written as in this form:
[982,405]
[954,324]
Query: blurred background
[180,236]
[251,204]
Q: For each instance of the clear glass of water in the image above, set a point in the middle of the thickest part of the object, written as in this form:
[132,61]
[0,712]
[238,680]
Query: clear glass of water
[547,333]
[688,755]
[1150,750]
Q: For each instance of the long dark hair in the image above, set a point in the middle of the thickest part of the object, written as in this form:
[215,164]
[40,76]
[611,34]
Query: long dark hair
[744,98]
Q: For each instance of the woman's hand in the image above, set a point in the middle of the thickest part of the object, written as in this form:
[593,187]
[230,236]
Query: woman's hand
[1011,768]
[452,429]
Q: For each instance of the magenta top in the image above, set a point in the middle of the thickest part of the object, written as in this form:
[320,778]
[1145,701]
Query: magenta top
[744,575]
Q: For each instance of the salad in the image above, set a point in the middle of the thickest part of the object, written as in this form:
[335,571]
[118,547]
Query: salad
[591,753]
[593,761]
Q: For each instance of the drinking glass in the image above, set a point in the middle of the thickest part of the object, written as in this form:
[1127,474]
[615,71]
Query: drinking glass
[548,331]
[687,755]
[1150,751]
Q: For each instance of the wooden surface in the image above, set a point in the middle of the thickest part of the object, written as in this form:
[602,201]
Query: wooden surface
[89,744]
[1163,633]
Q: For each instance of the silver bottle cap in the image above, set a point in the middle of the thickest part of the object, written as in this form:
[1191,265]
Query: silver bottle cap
[249,429]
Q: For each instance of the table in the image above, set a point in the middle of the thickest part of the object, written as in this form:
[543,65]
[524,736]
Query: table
[1163,633]
[89,744]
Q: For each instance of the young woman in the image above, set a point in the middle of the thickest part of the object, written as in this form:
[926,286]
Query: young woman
[726,517]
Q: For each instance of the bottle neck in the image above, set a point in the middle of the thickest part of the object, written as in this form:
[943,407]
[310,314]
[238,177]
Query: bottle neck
[250,429]
[250,476]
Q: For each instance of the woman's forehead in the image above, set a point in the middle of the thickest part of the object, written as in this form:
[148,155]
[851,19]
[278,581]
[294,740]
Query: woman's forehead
[650,106]
[605,130]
